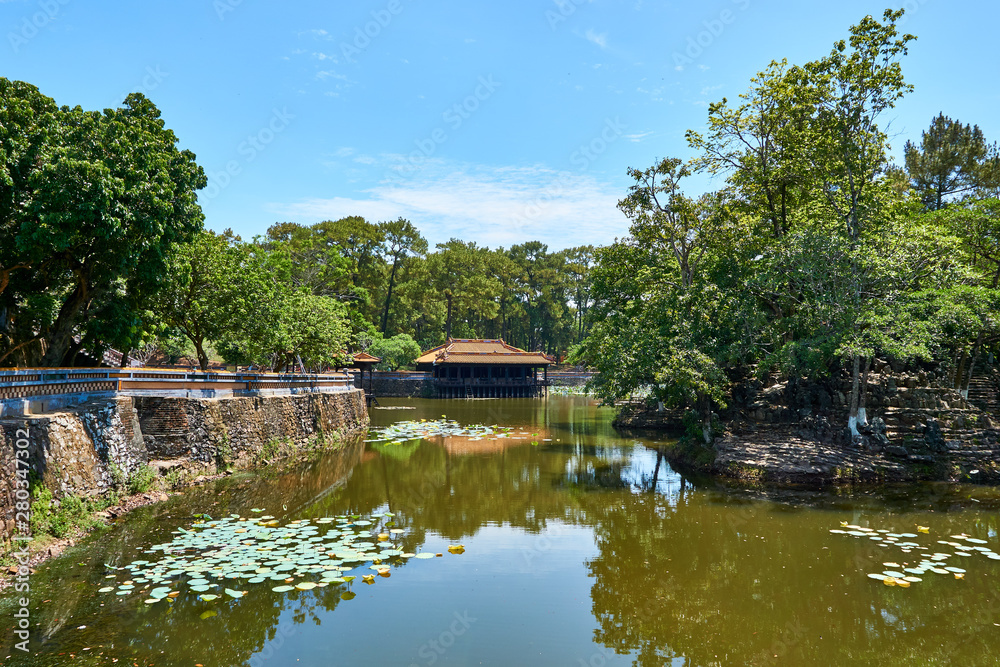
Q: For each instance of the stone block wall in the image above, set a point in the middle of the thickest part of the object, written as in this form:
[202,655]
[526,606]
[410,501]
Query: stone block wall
[72,452]
[175,428]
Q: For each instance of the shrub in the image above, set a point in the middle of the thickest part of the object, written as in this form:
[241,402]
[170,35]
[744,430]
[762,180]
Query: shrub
[141,480]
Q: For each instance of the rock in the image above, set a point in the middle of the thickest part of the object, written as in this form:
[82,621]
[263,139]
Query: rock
[878,440]
[163,497]
[897,451]
[933,437]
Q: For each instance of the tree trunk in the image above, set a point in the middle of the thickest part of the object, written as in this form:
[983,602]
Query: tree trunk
[852,421]
[199,346]
[862,412]
[388,296]
[960,370]
[447,326]
[60,337]
[706,420]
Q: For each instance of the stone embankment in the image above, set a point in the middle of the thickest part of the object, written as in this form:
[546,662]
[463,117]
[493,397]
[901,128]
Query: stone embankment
[87,449]
[795,432]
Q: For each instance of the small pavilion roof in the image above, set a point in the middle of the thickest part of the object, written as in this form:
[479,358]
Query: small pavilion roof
[482,351]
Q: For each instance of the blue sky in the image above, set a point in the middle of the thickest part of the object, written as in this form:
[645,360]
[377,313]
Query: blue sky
[495,122]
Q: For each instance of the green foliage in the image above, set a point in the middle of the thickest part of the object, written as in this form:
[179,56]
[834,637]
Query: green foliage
[119,480]
[812,255]
[60,518]
[88,224]
[141,480]
[223,454]
[951,160]
[396,352]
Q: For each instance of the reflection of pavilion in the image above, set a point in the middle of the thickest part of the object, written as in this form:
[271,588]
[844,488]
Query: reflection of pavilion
[485,369]
[458,445]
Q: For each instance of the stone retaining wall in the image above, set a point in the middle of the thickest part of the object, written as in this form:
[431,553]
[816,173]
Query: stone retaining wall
[195,430]
[73,452]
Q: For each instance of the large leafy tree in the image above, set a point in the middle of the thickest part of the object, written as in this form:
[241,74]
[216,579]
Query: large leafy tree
[217,290]
[94,206]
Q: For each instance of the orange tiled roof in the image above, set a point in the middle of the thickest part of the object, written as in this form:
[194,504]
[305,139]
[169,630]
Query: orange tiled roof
[364,356]
[480,351]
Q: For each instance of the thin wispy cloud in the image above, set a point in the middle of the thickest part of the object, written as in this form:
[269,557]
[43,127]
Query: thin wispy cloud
[639,136]
[491,206]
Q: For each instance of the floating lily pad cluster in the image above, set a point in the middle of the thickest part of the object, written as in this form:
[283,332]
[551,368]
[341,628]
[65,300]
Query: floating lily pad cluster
[401,432]
[219,557]
[907,573]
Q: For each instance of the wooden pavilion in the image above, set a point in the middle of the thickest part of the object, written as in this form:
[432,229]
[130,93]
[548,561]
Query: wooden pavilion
[474,368]
[363,361]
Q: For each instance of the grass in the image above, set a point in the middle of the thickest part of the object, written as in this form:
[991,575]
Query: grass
[60,518]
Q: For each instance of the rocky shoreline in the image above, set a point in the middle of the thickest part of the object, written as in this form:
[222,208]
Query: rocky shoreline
[795,433]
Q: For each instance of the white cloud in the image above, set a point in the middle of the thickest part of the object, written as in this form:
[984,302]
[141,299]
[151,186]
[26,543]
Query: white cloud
[346,151]
[491,206]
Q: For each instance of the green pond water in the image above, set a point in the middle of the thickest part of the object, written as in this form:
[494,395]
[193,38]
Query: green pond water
[581,547]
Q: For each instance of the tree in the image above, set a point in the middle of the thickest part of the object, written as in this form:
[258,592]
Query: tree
[459,274]
[90,222]
[396,352]
[951,159]
[402,240]
[214,291]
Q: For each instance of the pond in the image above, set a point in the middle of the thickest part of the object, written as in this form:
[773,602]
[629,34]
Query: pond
[572,544]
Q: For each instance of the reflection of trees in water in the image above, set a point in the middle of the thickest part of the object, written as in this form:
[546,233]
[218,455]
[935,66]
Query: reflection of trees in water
[724,584]
[454,496]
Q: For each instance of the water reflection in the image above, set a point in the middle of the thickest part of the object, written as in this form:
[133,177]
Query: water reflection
[588,549]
